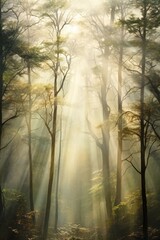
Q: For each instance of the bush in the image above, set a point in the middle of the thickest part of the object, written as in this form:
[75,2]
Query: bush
[18,222]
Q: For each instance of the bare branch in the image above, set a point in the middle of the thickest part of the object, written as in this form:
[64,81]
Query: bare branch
[154,129]
[9,141]
[131,90]
[46,124]
[130,161]
[68,21]
[64,75]
[10,118]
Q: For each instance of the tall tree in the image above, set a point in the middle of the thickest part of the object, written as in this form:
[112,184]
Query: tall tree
[142,27]
[59,62]
[118,194]
[104,35]
[32,58]
[9,67]
[11,30]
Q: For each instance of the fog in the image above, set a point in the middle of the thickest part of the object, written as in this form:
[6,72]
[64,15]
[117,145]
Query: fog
[77,104]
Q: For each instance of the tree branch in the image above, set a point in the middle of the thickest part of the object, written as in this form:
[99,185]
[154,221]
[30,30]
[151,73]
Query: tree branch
[130,161]
[9,141]
[10,118]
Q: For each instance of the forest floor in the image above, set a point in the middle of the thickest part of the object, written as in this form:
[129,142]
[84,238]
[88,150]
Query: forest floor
[76,232]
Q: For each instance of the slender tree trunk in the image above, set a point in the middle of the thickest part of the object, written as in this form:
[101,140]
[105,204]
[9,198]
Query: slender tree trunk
[143,166]
[142,129]
[30,144]
[106,175]
[51,174]
[119,150]
[57,183]
[1,120]
[53,143]
[144,204]
[1,74]
[29,122]
[105,146]
[143,148]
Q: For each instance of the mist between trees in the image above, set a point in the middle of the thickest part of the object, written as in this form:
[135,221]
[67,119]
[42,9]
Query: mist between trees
[79,119]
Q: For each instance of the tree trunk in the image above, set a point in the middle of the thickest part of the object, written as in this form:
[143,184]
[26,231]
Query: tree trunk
[51,174]
[57,183]
[142,129]
[1,74]
[30,145]
[53,140]
[105,147]
[1,123]
[144,204]
[119,150]
[106,175]
[143,148]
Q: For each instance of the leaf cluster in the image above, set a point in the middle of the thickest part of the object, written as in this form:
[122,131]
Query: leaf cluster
[53,5]
[149,19]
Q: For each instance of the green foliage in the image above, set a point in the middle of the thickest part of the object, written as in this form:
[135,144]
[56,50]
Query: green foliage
[131,123]
[127,218]
[130,205]
[153,50]
[97,186]
[16,96]
[11,29]
[52,48]
[151,21]
[13,69]
[9,40]
[18,219]
[132,118]
[53,5]
[32,55]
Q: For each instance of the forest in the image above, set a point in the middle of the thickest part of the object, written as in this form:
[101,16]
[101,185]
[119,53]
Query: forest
[79,119]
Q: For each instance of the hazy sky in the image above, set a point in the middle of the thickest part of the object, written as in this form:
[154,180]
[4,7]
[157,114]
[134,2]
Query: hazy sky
[86,5]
